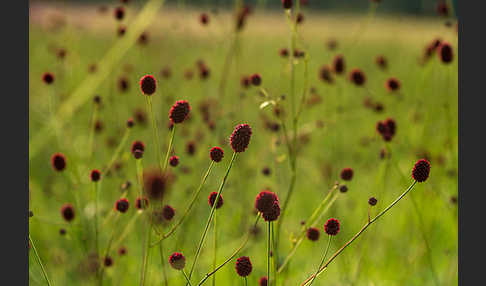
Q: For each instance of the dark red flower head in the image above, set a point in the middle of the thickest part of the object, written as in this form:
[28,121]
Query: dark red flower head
[338,64]
[204,71]
[108,261]
[148,84]
[313,233]
[137,145]
[174,161]
[332,226]
[143,39]
[130,122]
[67,212]
[48,77]
[287,4]
[381,62]
[343,188]
[121,30]
[264,201]
[442,9]
[446,54]
[392,84]
[155,184]
[216,154]
[204,18]
[325,74]
[245,81]
[122,250]
[357,77]
[212,198]
[168,212]
[421,170]
[243,266]
[273,213]
[177,261]
[263,281]
[191,148]
[240,138]
[284,53]
[141,203]
[123,84]
[372,201]
[95,175]
[347,174]
[300,18]
[58,162]
[119,13]
[122,205]
[179,111]
[256,79]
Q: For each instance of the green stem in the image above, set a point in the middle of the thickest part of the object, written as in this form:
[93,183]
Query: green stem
[91,130]
[162,261]
[155,131]
[96,219]
[187,278]
[215,247]
[322,260]
[172,132]
[117,151]
[39,261]
[108,247]
[203,237]
[274,249]
[268,253]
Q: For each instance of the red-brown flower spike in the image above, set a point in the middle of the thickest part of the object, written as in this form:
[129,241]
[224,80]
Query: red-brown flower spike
[67,212]
[122,205]
[148,84]
[141,203]
[338,64]
[177,261]
[264,201]
[392,84]
[137,145]
[347,174]
[212,198]
[95,175]
[332,226]
[357,77]
[313,233]
[174,161]
[48,78]
[216,154]
[108,261]
[263,281]
[58,162]
[168,212]
[287,4]
[421,170]
[446,54]
[243,266]
[256,79]
[179,111]
[273,213]
[240,138]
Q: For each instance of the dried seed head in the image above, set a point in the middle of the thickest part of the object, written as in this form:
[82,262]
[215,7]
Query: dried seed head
[177,261]
[332,226]
[243,266]
[240,138]
[421,170]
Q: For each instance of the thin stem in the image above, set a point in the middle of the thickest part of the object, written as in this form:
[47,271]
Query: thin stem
[274,250]
[96,218]
[39,261]
[162,261]
[268,253]
[188,209]
[154,131]
[146,251]
[215,243]
[91,130]
[117,151]
[203,237]
[322,260]
[246,281]
[187,278]
[172,132]
[108,247]
[232,255]
[322,268]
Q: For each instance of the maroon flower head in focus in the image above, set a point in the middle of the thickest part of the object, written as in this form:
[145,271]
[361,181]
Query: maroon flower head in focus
[212,198]
[313,233]
[58,162]
[256,79]
[168,212]
[372,201]
[216,154]
[95,175]
[357,77]
[48,78]
[141,203]
[137,145]
[338,64]
[67,212]
[287,4]
[332,226]
[273,213]
[174,161]
[122,205]
[243,266]
[264,201]
[240,138]
[179,111]
[347,174]
[446,54]
[177,261]
[148,84]
[392,84]
[421,170]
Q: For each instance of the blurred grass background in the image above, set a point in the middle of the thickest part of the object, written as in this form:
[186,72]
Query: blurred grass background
[392,252]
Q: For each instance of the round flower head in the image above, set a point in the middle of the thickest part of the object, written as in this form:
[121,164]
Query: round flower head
[191,147]
[287,4]
[266,171]
[243,266]
[347,174]
[168,212]
[343,188]
[284,53]
[123,84]
[392,84]
[148,84]
[256,79]
[119,13]
[67,212]
[391,125]
[48,78]
[332,226]
[174,161]
[137,145]
[273,213]
[95,175]
[446,54]
[300,18]
[130,122]
[357,77]
[372,201]
[245,81]
[313,233]
[212,198]
[108,261]
[264,201]
[179,111]
[421,170]
[240,138]
[338,64]
[122,250]
[155,184]
[143,39]
[216,154]
[325,74]
[263,281]
[177,261]
[58,162]
[204,18]
[121,31]
[62,231]
[381,62]
[141,203]
[122,205]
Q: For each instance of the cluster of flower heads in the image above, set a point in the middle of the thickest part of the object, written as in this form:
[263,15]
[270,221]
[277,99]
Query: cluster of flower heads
[268,205]
[387,129]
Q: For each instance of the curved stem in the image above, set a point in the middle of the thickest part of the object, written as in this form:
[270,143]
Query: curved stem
[203,237]
[154,131]
[39,261]
[117,152]
[172,132]
[322,260]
